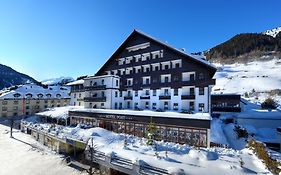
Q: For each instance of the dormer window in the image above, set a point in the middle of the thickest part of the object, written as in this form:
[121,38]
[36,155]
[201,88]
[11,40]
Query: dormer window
[40,95]
[29,95]
[58,95]
[17,95]
[48,95]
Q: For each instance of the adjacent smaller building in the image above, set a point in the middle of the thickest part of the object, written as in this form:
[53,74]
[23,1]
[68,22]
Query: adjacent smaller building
[30,99]
[221,103]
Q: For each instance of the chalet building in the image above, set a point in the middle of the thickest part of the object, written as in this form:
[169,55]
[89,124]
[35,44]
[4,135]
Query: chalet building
[30,99]
[147,74]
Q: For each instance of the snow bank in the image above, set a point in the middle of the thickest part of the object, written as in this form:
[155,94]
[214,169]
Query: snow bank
[59,112]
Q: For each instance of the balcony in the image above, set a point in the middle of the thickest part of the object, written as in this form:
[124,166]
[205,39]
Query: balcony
[95,87]
[188,97]
[145,97]
[95,99]
[128,98]
[164,97]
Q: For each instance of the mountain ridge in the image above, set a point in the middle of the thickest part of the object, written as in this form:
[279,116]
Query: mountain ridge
[10,77]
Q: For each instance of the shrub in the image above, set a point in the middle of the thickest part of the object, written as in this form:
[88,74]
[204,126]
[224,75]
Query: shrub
[269,103]
[241,132]
[260,150]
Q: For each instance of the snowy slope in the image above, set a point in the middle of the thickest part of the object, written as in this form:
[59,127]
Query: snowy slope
[272,32]
[259,77]
[57,81]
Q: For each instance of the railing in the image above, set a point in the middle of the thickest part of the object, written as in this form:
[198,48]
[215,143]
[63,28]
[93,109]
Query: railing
[144,97]
[148,169]
[119,161]
[164,97]
[95,87]
[95,99]
[128,98]
[188,97]
[225,109]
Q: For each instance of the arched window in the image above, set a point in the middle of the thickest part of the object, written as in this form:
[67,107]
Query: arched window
[17,95]
[40,95]
[49,95]
[29,95]
[58,95]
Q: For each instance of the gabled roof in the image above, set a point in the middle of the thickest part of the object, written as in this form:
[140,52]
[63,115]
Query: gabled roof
[137,32]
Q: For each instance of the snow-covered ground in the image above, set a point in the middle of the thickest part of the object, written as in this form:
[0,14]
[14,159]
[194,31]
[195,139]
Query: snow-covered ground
[259,77]
[170,156]
[59,112]
[18,156]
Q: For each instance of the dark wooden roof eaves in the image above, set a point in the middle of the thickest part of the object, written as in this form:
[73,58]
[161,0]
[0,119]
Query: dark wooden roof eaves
[123,46]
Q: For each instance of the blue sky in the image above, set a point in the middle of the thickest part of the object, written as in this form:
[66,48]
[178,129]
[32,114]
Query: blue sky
[53,38]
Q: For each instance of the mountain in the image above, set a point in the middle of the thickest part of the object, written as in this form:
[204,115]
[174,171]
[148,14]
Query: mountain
[246,47]
[273,32]
[10,77]
[57,81]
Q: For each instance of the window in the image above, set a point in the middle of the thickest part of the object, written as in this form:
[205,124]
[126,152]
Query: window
[4,102]
[191,78]
[120,105]
[136,93]
[153,105]
[91,83]
[176,106]
[154,92]
[136,105]
[166,107]
[166,79]
[156,68]
[102,104]
[27,107]
[177,65]
[16,102]
[147,105]
[17,95]
[28,101]
[102,93]
[129,105]
[176,92]
[166,67]
[201,90]
[116,93]
[191,91]
[129,93]
[74,95]
[166,92]
[147,81]
[146,92]
[15,108]
[116,105]
[201,107]
[191,105]
[147,69]
[116,82]
[79,95]
[120,94]
[74,104]
[102,81]
[4,108]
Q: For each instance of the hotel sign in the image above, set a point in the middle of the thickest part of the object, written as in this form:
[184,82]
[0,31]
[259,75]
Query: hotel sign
[114,116]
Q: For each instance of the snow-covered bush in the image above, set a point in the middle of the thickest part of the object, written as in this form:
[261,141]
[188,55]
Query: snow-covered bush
[269,103]
[241,132]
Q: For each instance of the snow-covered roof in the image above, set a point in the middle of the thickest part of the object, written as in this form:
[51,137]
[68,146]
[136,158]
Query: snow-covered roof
[77,82]
[196,57]
[34,91]
[201,116]
[58,112]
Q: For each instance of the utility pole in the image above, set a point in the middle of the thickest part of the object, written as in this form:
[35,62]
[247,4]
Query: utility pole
[12,124]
